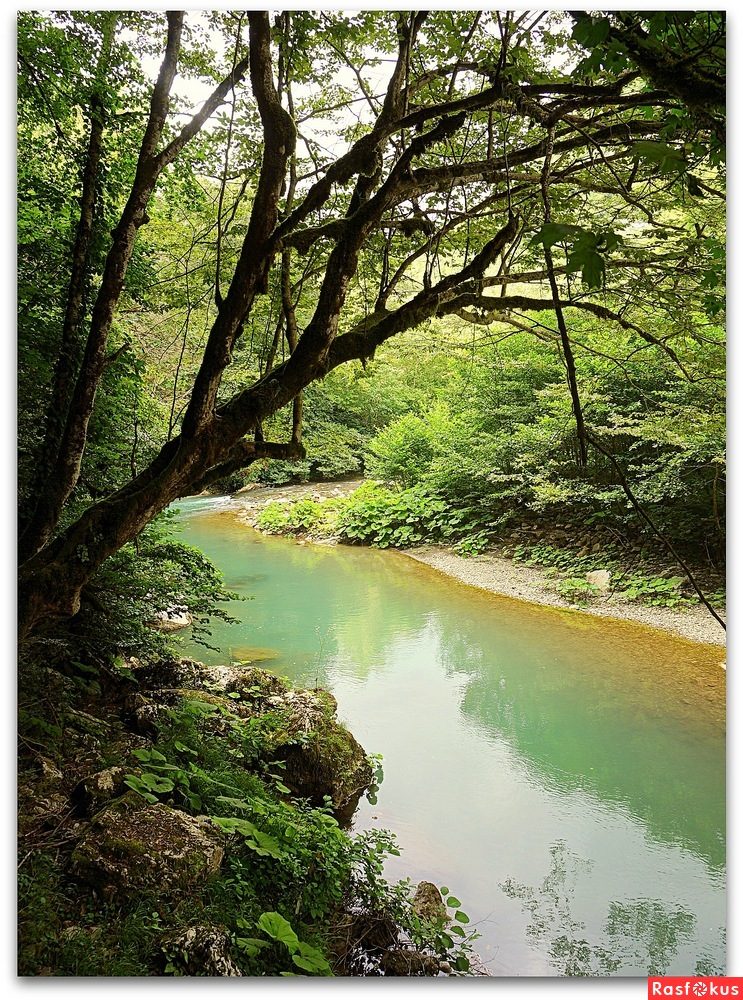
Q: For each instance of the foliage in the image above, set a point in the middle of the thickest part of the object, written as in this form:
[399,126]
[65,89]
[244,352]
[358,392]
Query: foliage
[497,436]
[646,587]
[292,518]
[576,590]
[382,517]
[402,451]
[469,404]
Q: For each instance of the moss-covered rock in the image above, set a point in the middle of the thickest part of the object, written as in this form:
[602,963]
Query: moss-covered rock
[408,962]
[92,792]
[321,757]
[132,847]
[428,904]
[143,715]
[199,950]
[251,683]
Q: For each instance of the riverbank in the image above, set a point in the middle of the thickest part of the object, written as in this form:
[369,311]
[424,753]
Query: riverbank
[500,575]
[490,570]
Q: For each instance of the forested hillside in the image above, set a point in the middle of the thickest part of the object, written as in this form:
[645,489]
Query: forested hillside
[477,258]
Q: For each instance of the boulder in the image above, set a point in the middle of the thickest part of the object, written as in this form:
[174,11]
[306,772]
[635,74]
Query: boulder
[199,950]
[477,966]
[91,793]
[132,847]
[408,962]
[172,619]
[600,579]
[250,682]
[428,904]
[143,715]
[42,796]
[322,758]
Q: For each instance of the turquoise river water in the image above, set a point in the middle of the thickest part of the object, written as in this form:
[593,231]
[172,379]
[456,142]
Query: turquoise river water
[563,775]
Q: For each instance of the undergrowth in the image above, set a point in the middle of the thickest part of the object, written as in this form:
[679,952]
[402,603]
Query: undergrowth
[290,872]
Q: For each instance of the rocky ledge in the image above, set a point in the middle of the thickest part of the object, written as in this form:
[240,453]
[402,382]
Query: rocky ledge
[124,832]
[321,757]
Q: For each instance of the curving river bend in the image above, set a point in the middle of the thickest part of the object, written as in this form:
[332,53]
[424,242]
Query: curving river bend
[563,775]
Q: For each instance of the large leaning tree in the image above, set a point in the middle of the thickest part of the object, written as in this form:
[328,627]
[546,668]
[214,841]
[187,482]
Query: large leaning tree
[370,172]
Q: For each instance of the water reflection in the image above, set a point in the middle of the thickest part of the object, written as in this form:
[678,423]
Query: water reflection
[584,732]
[551,920]
[640,934]
[649,932]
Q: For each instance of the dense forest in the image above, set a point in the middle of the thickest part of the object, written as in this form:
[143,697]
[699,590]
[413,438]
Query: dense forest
[477,259]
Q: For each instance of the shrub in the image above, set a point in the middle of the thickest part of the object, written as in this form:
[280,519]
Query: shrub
[402,452]
[376,515]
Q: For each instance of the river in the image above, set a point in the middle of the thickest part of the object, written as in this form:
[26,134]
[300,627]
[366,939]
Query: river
[563,775]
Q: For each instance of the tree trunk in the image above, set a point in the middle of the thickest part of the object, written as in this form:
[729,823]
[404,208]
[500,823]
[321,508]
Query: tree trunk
[65,472]
[68,359]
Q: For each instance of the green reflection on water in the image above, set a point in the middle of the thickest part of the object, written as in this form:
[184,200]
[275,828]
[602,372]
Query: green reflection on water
[507,728]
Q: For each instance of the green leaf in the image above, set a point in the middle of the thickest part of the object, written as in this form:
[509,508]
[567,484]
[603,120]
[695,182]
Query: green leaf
[668,159]
[461,917]
[591,31]
[250,945]
[156,782]
[240,804]
[233,824]
[555,232]
[278,928]
[453,901]
[593,269]
[265,845]
[133,782]
[311,959]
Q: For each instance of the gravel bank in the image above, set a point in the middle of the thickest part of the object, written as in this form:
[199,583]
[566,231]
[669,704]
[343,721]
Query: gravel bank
[528,583]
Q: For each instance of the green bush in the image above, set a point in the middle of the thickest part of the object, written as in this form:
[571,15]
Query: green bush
[576,589]
[291,518]
[402,452]
[377,515]
[661,591]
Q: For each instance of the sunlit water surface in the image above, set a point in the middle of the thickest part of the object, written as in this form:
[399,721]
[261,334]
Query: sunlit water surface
[563,775]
